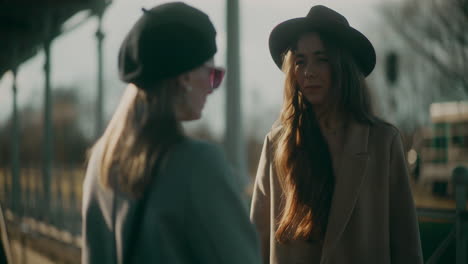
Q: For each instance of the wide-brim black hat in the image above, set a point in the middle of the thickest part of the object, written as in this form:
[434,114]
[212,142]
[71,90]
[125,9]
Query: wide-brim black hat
[327,22]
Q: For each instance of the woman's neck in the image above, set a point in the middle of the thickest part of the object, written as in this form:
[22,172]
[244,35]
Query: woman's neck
[329,120]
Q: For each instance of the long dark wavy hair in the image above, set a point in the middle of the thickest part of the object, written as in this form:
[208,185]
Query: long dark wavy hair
[302,158]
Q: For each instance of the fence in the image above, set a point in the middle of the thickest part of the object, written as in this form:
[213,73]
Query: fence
[61,218]
[26,202]
[459,217]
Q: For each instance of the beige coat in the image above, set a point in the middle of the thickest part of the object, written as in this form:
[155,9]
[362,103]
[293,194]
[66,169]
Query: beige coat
[372,217]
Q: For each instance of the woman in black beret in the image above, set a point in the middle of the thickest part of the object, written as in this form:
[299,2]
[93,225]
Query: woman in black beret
[151,194]
[332,183]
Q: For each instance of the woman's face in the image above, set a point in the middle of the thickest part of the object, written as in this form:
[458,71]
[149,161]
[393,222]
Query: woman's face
[196,88]
[312,68]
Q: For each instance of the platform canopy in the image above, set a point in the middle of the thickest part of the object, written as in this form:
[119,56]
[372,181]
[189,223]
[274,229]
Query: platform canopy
[25,25]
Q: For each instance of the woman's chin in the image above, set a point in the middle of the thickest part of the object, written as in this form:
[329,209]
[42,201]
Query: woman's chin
[191,117]
[315,100]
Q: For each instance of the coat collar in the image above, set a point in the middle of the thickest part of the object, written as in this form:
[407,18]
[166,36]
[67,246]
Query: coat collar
[350,176]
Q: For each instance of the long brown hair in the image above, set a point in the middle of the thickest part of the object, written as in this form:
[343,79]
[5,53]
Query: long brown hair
[302,158]
[141,131]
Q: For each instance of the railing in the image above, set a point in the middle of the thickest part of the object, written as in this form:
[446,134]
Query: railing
[30,213]
[26,207]
[459,217]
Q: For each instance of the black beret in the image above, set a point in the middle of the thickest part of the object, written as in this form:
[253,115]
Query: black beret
[167,40]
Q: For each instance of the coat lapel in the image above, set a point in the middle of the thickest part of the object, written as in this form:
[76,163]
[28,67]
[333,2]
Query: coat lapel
[350,176]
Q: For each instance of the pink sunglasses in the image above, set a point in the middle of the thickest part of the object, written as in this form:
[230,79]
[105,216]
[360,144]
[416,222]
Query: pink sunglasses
[216,76]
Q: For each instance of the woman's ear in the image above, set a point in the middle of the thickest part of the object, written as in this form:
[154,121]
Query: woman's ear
[184,80]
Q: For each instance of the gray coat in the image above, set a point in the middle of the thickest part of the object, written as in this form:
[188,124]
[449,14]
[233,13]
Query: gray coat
[194,213]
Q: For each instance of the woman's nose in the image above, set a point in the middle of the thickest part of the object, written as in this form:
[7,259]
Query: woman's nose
[309,70]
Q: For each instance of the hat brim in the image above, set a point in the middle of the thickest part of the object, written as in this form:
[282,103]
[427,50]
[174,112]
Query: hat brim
[285,34]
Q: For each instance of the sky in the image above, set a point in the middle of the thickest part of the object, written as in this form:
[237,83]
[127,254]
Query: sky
[74,58]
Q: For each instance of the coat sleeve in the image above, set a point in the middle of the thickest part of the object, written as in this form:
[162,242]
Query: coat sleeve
[405,244]
[219,230]
[260,208]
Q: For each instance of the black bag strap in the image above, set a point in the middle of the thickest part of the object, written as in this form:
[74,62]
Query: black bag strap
[114,212]
[138,220]
[137,224]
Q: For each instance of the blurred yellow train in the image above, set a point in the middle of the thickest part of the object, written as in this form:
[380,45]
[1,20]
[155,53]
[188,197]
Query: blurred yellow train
[444,146]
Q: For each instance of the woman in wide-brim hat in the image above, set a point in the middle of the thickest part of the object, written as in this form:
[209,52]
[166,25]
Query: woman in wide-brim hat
[332,182]
[152,194]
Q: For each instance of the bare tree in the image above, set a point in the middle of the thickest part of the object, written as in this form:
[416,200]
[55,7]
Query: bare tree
[70,144]
[437,31]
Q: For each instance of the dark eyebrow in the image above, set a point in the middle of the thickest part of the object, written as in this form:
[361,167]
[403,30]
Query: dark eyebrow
[320,52]
[316,53]
[299,55]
